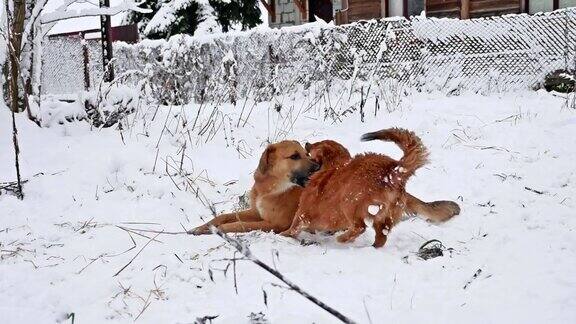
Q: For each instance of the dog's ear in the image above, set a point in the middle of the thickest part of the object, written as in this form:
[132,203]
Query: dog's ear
[308,147]
[266,160]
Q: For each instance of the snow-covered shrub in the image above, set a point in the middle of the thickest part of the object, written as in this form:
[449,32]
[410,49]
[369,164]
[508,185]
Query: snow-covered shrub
[482,55]
[110,104]
[54,111]
[563,81]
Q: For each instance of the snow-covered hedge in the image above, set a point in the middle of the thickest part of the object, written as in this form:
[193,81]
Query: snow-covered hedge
[482,55]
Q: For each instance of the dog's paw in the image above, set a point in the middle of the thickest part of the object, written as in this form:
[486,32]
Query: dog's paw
[289,233]
[200,230]
[342,238]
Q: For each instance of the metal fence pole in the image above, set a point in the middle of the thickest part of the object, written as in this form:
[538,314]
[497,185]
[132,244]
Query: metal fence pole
[106,36]
[86,65]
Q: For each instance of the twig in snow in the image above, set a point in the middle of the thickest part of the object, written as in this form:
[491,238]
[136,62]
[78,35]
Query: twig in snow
[234,272]
[140,223]
[366,310]
[248,254]
[145,245]
[129,230]
[177,257]
[147,303]
[93,260]
[11,187]
[86,224]
[475,276]
[182,158]
[205,319]
[535,191]
[71,316]
[152,231]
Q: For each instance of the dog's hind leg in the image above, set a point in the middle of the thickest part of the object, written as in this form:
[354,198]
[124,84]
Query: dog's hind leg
[356,228]
[248,215]
[382,228]
[383,222]
[299,224]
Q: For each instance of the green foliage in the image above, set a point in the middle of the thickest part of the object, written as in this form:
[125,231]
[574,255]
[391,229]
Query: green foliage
[186,22]
[242,12]
[561,81]
[142,19]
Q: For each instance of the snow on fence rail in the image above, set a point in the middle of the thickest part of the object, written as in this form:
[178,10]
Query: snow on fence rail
[484,55]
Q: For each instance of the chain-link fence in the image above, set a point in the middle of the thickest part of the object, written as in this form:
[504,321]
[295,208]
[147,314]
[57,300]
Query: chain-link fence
[483,55]
[70,64]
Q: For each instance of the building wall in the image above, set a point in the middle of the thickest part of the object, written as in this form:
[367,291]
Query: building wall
[396,8]
[540,6]
[415,7]
[567,3]
[287,14]
[363,9]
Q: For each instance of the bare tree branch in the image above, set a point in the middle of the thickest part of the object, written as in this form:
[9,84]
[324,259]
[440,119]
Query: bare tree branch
[127,5]
[242,248]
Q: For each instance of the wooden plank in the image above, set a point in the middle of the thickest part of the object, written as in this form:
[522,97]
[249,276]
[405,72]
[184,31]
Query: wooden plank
[477,8]
[443,7]
[341,18]
[441,2]
[447,9]
[465,9]
[405,8]
[387,8]
[363,9]
[493,4]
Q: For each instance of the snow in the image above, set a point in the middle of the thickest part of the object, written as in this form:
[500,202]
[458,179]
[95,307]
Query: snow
[83,23]
[209,25]
[93,11]
[373,209]
[166,16]
[513,248]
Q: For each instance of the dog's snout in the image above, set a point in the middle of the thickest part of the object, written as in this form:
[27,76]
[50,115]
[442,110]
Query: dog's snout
[315,166]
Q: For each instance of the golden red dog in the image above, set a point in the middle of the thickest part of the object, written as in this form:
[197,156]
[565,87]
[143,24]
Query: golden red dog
[278,182]
[346,190]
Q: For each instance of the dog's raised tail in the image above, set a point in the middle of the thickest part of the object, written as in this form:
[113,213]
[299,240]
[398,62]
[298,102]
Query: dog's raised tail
[415,153]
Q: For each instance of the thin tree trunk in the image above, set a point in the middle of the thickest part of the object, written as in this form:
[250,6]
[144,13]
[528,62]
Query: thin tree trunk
[14,66]
[16,28]
[20,193]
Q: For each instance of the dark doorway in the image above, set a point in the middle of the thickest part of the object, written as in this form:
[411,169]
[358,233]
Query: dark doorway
[320,8]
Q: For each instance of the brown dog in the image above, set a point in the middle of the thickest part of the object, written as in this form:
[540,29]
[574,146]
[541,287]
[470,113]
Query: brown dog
[344,193]
[282,172]
[330,155]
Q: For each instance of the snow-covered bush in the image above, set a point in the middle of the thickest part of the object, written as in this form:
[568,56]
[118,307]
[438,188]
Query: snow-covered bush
[481,55]
[110,104]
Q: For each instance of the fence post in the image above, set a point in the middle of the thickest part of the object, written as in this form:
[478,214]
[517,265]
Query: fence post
[465,9]
[106,36]
[86,65]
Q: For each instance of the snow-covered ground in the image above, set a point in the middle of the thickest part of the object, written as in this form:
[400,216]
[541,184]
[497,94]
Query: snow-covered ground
[507,159]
